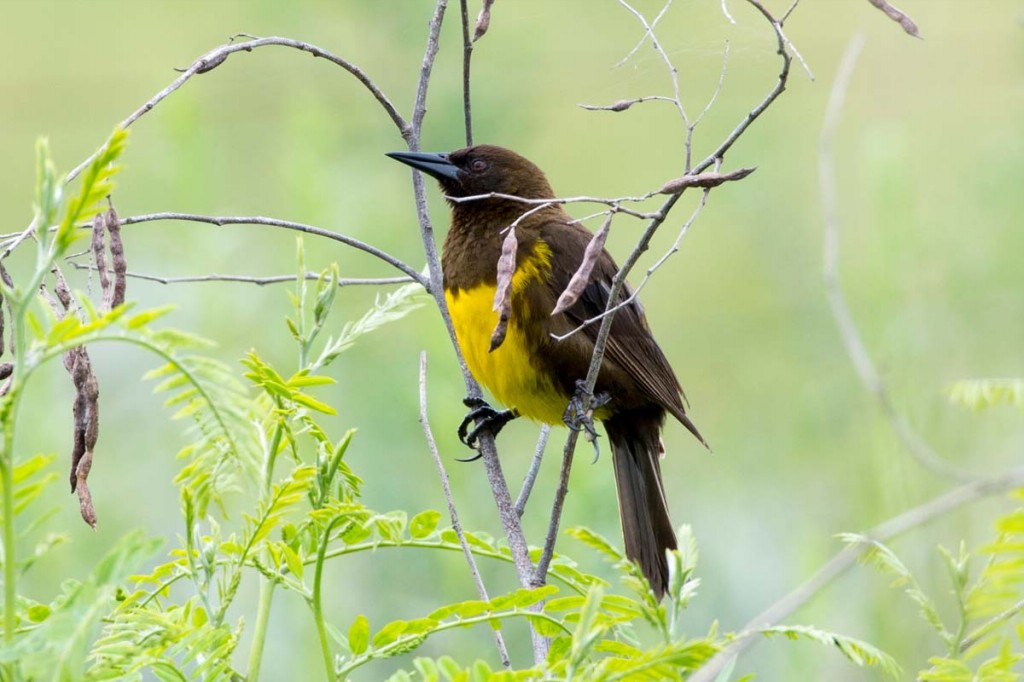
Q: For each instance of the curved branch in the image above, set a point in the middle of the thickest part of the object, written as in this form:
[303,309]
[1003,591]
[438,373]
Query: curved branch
[220,221]
[841,562]
[219,55]
[855,348]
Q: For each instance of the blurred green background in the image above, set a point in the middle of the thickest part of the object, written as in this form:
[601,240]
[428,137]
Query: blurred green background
[930,159]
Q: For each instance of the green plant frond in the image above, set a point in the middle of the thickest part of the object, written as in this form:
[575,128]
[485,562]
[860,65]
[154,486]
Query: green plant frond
[96,184]
[402,636]
[59,646]
[31,477]
[179,642]
[886,561]
[857,651]
[394,306]
[1000,583]
[979,394]
[666,662]
[283,498]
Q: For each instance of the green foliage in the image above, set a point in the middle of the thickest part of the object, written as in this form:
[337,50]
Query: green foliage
[979,394]
[264,449]
[984,643]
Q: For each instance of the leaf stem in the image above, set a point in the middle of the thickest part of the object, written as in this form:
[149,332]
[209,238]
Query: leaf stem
[267,585]
[260,633]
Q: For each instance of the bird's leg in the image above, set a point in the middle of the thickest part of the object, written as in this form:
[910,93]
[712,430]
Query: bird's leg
[487,419]
[577,418]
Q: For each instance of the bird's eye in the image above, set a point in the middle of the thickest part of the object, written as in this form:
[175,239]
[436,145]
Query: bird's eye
[478,165]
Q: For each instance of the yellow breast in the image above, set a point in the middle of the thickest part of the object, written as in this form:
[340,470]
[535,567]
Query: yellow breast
[509,371]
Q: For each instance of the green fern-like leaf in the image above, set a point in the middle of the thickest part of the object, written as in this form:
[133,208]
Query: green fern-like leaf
[394,306]
[859,652]
[979,394]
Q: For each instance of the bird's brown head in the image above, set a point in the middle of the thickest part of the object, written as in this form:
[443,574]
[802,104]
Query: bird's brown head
[482,169]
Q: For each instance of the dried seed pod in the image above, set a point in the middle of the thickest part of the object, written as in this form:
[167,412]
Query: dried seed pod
[503,290]
[581,277]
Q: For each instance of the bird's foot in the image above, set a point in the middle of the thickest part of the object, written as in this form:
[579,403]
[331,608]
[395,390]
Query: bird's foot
[578,418]
[487,420]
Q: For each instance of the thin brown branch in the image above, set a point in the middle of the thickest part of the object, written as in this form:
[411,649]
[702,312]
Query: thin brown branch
[258,281]
[624,104]
[643,39]
[773,94]
[718,88]
[218,55]
[673,71]
[442,473]
[220,221]
[899,16]
[419,109]
[841,562]
[725,11]
[531,473]
[635,293]
[848,331]
[5,277]
[208,62]
[492,464]
[642,244]
[467,57]
[540,574]
[540,204]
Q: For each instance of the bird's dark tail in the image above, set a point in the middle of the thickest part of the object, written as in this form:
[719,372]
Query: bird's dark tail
[646,527]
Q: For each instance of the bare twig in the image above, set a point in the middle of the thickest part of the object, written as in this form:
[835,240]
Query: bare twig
[289,225]
[467,57]
[540,574]
[841,562]
[643,39]
[419,109]
[672,70]
[259,281]
[208,62]
[725,11]
[531,474]
[773,94]
[718,87]
[897,15]
[855,348]
[624,104]
[492,465]
[481,589]
[642,244]
[5,277]
[792,47]
[635,293]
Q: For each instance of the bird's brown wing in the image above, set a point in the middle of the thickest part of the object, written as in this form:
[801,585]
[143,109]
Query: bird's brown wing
[635,368]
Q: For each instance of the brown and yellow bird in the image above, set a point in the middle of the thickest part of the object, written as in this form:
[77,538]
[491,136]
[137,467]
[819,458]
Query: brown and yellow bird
[532,373]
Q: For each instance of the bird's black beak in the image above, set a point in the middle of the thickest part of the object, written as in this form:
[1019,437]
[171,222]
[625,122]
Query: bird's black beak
[435,165]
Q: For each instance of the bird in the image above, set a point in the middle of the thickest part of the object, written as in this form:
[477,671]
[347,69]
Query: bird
[534,374]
